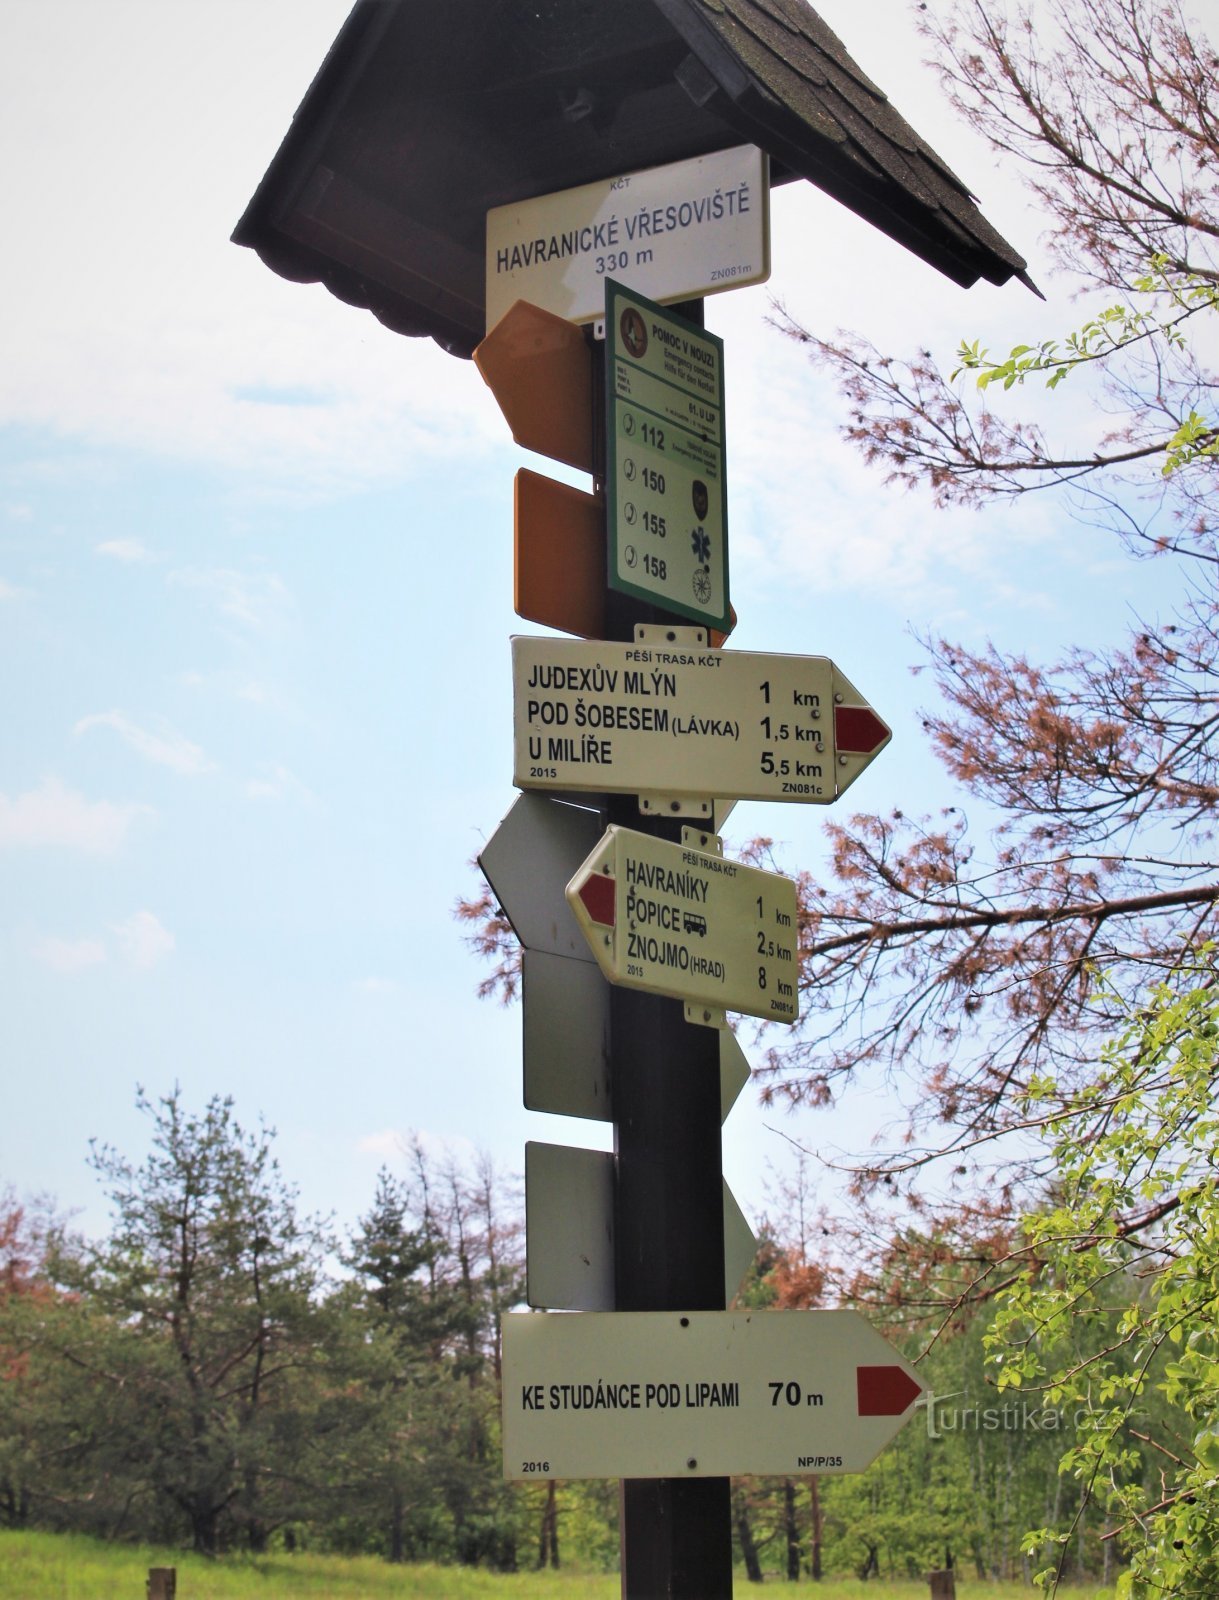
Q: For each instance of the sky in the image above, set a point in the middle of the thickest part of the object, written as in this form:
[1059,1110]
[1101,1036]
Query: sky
[256,597]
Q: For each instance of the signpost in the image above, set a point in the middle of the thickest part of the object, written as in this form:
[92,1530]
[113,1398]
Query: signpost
[677,231]
[652,722]
[382,199]
[673,718]
[667,501]
[677,919]
[699,1394]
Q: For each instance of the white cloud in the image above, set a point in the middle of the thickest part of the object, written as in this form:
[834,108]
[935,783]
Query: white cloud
[258,600]
[143,940]
[374,985]
[279,784]
[166,747]
[388,1145]
[259,694]
[185,344]
[69,955]
[57,816]
[19,513]
[8,591]
[131,551]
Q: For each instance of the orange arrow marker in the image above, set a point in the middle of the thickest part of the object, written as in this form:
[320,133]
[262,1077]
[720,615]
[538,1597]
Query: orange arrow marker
[539,368]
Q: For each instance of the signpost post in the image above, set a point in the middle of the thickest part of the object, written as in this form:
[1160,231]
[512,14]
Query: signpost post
[647,720]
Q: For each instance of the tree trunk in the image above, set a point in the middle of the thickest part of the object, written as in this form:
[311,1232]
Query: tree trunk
[397,1526]
[744,1533]
[814,1495]
[548,1535]
[791,1531]
[203,1527]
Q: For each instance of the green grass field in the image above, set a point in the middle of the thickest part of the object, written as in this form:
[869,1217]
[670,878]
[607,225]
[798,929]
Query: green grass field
[36,1566]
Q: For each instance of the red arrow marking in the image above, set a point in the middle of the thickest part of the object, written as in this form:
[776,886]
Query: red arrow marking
[597,893]
[858,730]
[885,1391]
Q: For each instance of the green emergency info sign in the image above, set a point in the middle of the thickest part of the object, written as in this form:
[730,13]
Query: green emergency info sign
[668,511]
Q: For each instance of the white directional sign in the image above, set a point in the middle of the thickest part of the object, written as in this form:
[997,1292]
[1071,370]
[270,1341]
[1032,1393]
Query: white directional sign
[666,497]
[679,920]
[667,1394]
[686,229]
[668,716]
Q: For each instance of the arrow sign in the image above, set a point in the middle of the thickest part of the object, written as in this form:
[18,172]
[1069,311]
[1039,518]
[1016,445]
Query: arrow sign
[565,1010]
[884,1391]
[679,920]
[539,368]
[569,1230]
[668,716]
[528,861]
[559,555]
[667,1394]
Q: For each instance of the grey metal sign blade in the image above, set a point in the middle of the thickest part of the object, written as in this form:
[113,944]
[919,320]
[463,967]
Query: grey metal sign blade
[529,861]
[569,1228]
[734,1072]
[566,1012]
[566,1016]
[740,1246]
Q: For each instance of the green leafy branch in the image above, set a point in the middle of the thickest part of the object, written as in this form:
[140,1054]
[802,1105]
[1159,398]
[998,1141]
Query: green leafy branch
[1176,298]
[1117,1315]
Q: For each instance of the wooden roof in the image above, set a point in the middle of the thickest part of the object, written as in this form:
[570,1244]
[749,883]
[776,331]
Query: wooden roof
[426,113]
[798,94]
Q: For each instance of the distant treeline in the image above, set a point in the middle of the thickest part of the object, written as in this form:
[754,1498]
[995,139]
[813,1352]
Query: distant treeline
[220,1372]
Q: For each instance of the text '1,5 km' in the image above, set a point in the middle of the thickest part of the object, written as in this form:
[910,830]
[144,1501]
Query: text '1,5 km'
[668,715]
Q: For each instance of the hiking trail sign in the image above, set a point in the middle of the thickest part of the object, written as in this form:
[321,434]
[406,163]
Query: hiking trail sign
[667,1394]
[669,717]
[679,920]
[679,230]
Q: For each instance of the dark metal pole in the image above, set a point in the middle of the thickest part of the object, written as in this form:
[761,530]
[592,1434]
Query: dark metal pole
[676,1534]
[676,1537]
